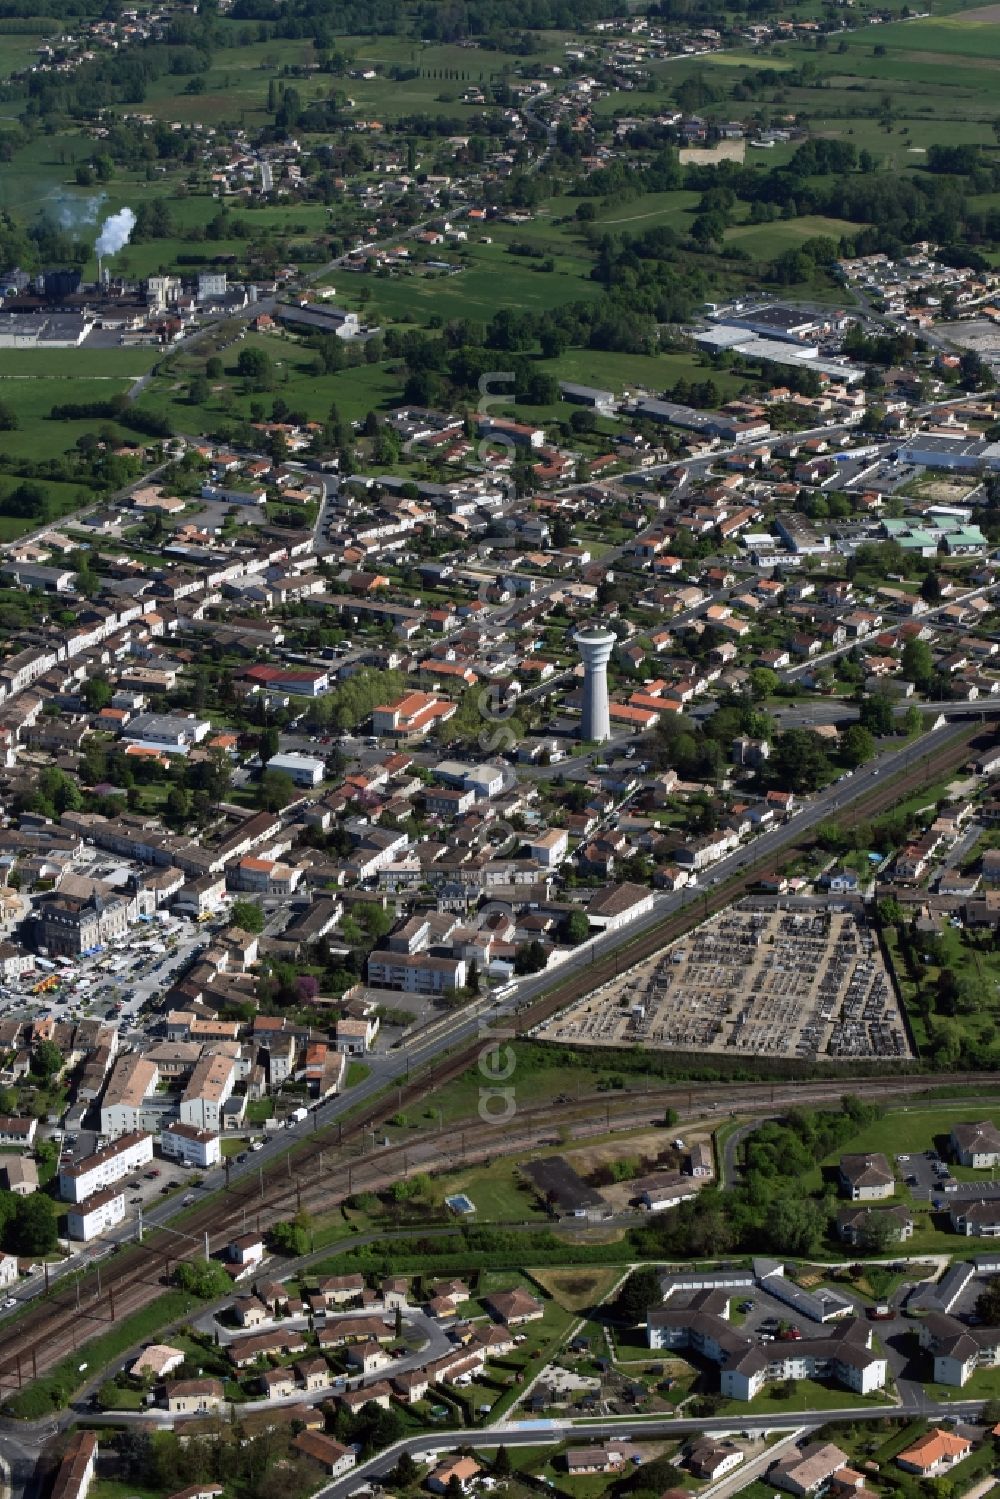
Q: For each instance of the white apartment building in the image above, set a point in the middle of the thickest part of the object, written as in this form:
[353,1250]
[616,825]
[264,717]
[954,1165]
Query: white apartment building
[86,1220]
[130,1084]
[416,973]
[210,1084]
[105,1167]
[191,1146]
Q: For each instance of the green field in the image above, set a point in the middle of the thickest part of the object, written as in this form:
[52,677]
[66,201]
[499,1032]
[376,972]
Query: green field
[19,42]
[909,1132]
[355,391]
[32,400]
[72,364]
[769,240]
[472,292]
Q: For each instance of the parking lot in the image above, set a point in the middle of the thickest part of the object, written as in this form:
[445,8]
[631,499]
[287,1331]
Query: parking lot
[930,1180]
[117,983]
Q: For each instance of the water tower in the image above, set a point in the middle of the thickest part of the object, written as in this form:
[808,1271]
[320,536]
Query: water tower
[595,645]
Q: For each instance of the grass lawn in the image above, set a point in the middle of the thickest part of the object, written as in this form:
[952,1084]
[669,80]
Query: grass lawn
[20,40]
[32,400]
[355,391]
[621,372]
[499,1193]
[545,1338]
[907,1131]
[807,1394]
[460,1099]
[472,291]
[578,1290]
[125,1400]
[356,1073]
[112,1488]
[652,209]
[769,240]
[631,1347]
[74,364]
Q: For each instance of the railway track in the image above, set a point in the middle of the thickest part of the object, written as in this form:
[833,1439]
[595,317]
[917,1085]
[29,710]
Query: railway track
[325,1174]
[319,1173]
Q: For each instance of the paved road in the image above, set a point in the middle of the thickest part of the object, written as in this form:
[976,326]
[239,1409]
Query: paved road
[540,1433]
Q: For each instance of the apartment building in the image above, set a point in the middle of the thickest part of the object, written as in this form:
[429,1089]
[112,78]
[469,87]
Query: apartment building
[412,716]
[416,973]
[209,1086]
[105,1167]
[134,1078]
[95,1215]
[190,1145]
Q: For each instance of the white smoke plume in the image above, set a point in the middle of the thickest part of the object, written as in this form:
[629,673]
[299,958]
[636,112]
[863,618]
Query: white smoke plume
[71,211]
[115,232]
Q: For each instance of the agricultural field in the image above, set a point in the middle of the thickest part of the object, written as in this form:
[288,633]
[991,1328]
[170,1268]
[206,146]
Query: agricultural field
[20,40]
[472,292]
[31,400]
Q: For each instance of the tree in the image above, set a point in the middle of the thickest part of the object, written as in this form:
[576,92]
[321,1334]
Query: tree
[178,806]
[97,693]
[638,1294]
[206,1279]
[879,1231]
[913,720]
[255,366]
[763,682]
[988,1303]
[268,744]
[198,390]
[856,745]
[651,1478]
[292,1237]
[577,928]
[796,1225]
[8,418]
[248,915]
[532,958]
[405,1473]
[799,761]
[276,790]
[875,714]
[32,1231]
[918,663]
[47,1060]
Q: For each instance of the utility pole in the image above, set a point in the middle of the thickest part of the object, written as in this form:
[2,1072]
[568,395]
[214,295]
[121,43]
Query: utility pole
[207,1255]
